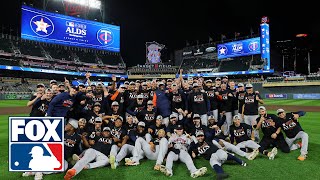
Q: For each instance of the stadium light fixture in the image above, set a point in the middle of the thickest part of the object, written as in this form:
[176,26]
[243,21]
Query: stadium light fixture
[90,3]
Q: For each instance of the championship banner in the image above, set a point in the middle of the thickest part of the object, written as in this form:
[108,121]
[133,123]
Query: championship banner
[153,53]
[55,28]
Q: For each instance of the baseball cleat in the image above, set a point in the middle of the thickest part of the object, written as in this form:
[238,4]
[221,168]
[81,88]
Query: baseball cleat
[132,163]
[38,176]
[253,154]
[166,171]
[26,174]
[70,174]
[243,163]
[113,162]
[157,167]
[273,153]
[200,172]
[127,160]
[302,157]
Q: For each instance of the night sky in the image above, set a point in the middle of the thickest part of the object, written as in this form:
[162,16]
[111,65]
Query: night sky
[173,22]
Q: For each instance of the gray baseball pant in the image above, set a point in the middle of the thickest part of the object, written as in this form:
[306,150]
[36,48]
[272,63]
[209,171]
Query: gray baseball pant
[235,149]
[218,157]
[228,123]
[215,114]
[305,140]
[124,151]
[252,120]
[204,119]
[184,157]
[99,159]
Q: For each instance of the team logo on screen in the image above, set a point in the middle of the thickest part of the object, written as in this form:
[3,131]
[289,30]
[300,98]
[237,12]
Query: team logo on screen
[105,36]
[41,25]
[253,46]
[223,50]
[36,144]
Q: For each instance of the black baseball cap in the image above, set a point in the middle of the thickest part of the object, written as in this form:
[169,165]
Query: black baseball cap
[179,127]
[75,87]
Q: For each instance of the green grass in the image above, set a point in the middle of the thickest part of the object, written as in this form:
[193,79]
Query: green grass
[292,102]
[13,103]
[284,166]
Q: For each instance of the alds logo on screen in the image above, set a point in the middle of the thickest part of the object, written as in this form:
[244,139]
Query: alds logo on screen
[36,144]
[42,25]
[253,46]
[105,37]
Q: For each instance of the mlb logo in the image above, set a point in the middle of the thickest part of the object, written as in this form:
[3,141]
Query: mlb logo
[71,24]
[36,144]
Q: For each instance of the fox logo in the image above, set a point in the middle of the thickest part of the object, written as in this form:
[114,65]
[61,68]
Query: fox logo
[33,141]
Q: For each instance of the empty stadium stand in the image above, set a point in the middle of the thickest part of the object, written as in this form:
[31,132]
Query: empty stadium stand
[15,51]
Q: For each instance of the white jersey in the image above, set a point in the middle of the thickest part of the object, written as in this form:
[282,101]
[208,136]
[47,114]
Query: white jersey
[180,142]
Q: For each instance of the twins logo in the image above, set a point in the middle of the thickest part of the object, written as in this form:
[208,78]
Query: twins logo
[253,46]
[36,144]
[42,25]
[105,37]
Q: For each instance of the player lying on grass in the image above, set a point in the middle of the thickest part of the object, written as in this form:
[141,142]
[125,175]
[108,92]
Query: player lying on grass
[293,130]
[213,153]
[178,149]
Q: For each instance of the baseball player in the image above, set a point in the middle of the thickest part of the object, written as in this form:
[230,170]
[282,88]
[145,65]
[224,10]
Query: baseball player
[272,135]
[62,103]
[239,134]
[199,103]
[156,149]
[226,96]
[120,136]
[153,130]
[172,126]
[98,152]
[129,147]
[293,130]
[213,153]
[178,149]
[250,108]
[197,126]
[210,90]
[148,115]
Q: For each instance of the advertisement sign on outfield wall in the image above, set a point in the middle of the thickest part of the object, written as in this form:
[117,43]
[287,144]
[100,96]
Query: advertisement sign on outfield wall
[16,96]
[276,96]
[306,96]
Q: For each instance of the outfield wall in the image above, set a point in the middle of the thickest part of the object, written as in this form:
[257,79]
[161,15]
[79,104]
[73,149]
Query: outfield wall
[292,92]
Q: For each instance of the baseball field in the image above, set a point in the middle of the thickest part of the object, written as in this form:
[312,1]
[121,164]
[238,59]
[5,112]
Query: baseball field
[284,166]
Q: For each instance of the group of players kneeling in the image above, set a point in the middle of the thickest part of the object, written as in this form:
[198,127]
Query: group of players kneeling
[110,143]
